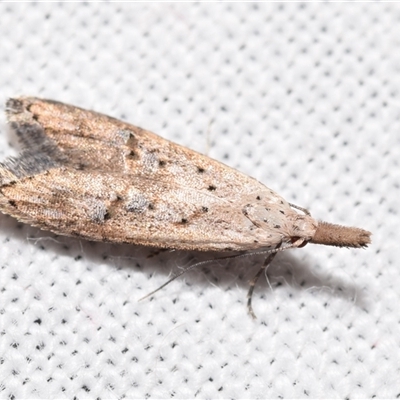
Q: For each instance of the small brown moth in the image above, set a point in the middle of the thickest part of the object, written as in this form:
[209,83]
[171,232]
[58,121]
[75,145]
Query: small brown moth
[91,176]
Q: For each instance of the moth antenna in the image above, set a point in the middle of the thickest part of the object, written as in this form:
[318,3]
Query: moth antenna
[166,283]
[341,236]
[271,252]
[190,267]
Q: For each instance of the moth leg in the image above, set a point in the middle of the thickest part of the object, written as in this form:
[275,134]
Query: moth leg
[305,211]
[251,290]
[253,282]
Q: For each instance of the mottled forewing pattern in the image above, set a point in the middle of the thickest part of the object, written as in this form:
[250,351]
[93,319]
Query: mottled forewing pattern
[85,174]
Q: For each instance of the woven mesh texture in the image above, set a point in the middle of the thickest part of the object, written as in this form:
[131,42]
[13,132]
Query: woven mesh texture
[303,97]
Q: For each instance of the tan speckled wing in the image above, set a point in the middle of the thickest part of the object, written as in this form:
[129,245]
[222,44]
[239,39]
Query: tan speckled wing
[88,175]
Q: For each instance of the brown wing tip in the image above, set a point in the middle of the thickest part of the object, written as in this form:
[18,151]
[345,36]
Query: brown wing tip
[341,236]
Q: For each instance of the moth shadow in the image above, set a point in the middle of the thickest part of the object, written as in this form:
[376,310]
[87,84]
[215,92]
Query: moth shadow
[287,271]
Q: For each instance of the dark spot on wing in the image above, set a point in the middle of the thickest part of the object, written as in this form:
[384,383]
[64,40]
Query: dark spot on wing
[81,166]
[132,154]
[126,134]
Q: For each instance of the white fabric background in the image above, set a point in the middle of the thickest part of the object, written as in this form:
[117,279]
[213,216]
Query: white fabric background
[303,97]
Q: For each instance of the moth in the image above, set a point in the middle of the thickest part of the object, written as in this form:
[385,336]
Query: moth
[90,176]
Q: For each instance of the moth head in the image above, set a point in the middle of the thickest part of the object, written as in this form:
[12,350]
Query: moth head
[301,229]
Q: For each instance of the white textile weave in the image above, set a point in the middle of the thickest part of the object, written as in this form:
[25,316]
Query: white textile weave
[305,97]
